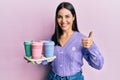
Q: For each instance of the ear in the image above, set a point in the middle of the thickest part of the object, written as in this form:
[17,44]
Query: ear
[73,17]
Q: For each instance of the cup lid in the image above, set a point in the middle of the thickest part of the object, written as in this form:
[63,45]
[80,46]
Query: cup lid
[49,43]
[42,41]
[28,42]
[37,43]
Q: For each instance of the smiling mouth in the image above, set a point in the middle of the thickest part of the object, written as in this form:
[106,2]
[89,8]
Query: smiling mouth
[64,25]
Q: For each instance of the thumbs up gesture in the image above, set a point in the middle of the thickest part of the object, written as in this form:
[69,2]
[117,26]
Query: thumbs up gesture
[87,42]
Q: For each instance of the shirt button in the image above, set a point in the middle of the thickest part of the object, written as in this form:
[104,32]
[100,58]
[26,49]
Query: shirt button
[94,58]
[73,48]
[61,52]
[61,65]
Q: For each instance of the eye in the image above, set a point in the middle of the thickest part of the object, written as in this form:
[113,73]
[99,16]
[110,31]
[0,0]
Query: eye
[67,16]
[59,16]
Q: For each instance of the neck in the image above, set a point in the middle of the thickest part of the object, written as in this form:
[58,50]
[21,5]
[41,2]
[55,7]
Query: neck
[67,33]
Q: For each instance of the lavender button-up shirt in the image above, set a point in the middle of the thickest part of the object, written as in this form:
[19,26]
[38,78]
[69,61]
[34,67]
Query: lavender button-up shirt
[69,58]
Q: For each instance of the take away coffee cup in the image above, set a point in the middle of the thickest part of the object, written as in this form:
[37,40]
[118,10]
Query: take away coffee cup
[28,48]
[49,48]
[37,50]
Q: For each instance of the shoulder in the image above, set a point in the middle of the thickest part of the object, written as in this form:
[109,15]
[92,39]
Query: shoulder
[79,34]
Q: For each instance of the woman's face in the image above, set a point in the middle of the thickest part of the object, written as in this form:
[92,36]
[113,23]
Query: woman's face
[65,19]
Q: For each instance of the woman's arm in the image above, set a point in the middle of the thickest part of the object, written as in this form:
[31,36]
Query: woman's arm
[93,56]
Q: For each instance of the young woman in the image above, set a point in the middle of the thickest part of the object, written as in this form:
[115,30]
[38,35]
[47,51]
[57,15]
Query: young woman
[71,47]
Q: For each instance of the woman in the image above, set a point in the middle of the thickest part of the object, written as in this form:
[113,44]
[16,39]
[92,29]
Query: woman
[71,47]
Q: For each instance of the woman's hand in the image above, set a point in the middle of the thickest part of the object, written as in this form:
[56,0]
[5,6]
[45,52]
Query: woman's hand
[87,42]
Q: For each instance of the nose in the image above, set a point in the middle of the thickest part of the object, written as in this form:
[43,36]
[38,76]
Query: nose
[63,19]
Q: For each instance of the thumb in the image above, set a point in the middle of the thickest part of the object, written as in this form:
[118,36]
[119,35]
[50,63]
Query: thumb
[90,34]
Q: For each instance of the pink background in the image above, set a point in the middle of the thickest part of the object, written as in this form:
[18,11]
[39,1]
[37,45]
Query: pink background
[22,20]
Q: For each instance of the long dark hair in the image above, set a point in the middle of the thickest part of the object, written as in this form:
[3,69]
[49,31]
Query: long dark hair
[58,31]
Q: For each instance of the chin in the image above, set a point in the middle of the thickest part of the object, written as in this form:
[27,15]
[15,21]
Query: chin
[64,29]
